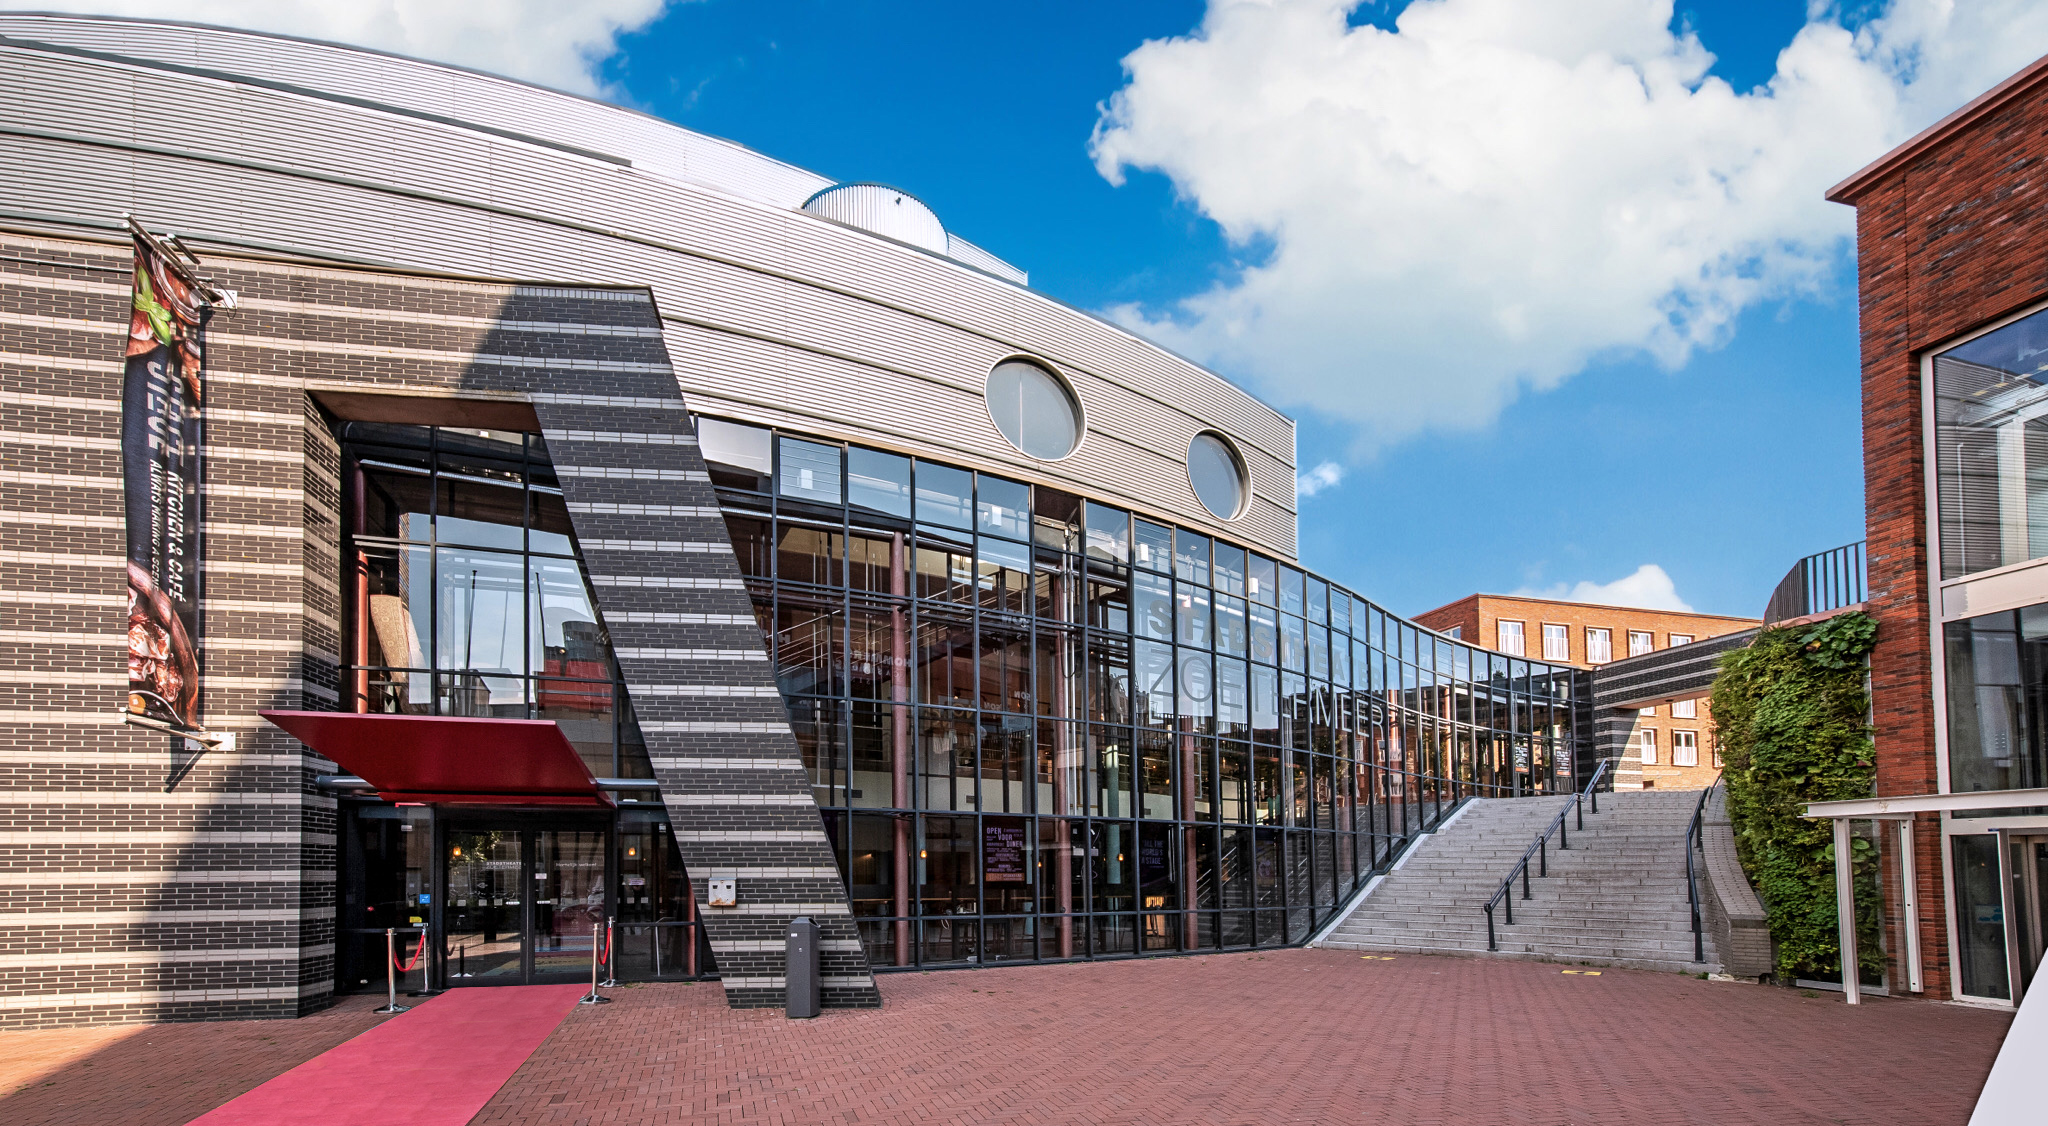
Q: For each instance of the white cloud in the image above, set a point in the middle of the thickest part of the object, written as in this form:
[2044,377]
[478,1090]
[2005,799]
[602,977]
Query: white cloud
[1648,588]
[1499,192]
[551,42]
[1322,477]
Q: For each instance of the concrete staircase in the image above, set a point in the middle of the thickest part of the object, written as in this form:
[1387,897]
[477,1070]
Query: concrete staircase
[1616,898]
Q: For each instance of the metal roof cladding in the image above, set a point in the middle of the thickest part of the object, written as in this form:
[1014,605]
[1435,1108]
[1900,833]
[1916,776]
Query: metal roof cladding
[883,210]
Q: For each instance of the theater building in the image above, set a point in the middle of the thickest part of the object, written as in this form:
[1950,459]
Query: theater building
[596,521]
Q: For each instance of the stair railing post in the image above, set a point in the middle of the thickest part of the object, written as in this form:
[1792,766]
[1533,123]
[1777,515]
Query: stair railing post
[1525,879]
[1491,942]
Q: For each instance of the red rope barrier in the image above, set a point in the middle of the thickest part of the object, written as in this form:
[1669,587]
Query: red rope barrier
[607,959]
[414,963]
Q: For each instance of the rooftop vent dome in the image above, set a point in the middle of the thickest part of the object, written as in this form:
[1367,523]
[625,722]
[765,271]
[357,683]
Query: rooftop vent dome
[886,211]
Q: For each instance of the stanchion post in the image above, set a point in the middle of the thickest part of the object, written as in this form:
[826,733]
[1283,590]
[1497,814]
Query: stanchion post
[391,1004]
[594,997]
[611,959]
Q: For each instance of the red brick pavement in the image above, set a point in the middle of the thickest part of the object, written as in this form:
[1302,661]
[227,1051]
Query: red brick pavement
[1318,1036]
[1284,1036]
[158,1074]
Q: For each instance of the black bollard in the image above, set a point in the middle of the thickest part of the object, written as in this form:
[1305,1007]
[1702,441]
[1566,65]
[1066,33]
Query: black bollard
[800,961]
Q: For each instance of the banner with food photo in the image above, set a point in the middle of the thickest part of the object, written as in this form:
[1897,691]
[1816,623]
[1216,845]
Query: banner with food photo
[160,469]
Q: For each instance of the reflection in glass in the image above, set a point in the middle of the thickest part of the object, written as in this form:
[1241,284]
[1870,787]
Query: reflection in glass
[1033,409]
[1991,448]
[1089,710]
[1997,687]
[879,482]
[944,495]
[1217,475]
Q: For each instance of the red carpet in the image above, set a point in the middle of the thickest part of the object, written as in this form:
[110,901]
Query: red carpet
[434,1066]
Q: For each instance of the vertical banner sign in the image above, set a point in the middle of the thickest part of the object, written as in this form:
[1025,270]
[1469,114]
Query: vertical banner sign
[160,433]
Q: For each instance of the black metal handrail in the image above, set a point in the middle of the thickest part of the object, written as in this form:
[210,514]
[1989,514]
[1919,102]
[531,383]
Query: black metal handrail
[1541,851]
[1695,841]
[1823,581]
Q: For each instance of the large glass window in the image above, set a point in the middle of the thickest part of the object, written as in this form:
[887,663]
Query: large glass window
[1991,448]
[1087,732]
[471,600]
[1997,687]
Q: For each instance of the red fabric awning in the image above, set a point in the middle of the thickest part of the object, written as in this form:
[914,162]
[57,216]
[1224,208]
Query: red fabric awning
[451,760]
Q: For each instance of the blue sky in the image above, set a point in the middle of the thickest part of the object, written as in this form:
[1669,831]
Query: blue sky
[1722,472]
[1549,285]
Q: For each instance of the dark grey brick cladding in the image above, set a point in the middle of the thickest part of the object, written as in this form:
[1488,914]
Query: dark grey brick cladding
[199,891]
[1617,688]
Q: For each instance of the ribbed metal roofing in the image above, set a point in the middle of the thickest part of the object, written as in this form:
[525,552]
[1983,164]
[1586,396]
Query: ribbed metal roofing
[883,210]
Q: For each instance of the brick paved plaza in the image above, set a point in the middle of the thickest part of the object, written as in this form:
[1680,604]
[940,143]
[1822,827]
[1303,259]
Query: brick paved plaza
[1285,1036]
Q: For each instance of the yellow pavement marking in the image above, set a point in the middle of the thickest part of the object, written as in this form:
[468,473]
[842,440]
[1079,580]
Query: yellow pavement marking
[1375,958]
[1587,973]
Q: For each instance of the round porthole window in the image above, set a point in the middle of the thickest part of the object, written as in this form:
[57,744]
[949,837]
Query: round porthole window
[1217,474]
[1034,409]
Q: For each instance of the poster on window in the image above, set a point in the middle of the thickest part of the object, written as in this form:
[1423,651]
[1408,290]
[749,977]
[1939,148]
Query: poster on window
[1003,852]
[160,434]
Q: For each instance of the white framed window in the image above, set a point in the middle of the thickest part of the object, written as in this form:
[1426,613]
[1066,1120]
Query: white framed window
[1641,641]
[1681,639]
[1651,710]
[1717,756]
[1685,748]
[1599,645]
[1646,744]
[1456,632]
[1685,709]
[1557,643]
[1508,638]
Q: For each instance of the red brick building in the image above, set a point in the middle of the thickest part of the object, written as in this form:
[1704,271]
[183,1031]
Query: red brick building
[1952,244]
[1664,746]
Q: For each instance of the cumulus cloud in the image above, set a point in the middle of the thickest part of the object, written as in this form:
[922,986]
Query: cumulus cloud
[1322,477]
[1497,193]
[545,41]
[1647,588]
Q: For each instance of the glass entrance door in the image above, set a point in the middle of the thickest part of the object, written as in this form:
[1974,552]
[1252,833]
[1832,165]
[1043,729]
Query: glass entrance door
[2027,905]
[485,919]
[521,902]
[568,898]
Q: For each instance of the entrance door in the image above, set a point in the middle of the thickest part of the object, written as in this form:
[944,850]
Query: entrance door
[568,900]
[521,902]
[2027,904]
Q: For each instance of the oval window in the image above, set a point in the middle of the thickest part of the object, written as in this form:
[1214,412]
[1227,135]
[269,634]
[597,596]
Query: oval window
[1034,409]
[1217,474]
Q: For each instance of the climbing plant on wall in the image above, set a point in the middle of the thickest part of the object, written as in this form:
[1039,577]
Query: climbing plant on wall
[1791,718]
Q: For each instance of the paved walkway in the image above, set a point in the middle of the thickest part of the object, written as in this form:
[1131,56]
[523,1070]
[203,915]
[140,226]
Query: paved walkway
[158,1074]
[1321,1036]
[1309,1036]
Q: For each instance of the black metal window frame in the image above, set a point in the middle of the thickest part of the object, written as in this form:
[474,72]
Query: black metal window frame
[1423,721]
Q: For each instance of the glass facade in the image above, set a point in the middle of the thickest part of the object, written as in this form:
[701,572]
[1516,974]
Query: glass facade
[1997,688]
[1991,448]
[464,595]
[1039,727]
[467,594]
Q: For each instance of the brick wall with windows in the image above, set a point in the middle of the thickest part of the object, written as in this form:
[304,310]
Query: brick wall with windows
[1952,235]
[1587,634]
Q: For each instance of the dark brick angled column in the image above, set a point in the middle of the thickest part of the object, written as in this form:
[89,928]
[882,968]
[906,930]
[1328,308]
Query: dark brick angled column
[698,673]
